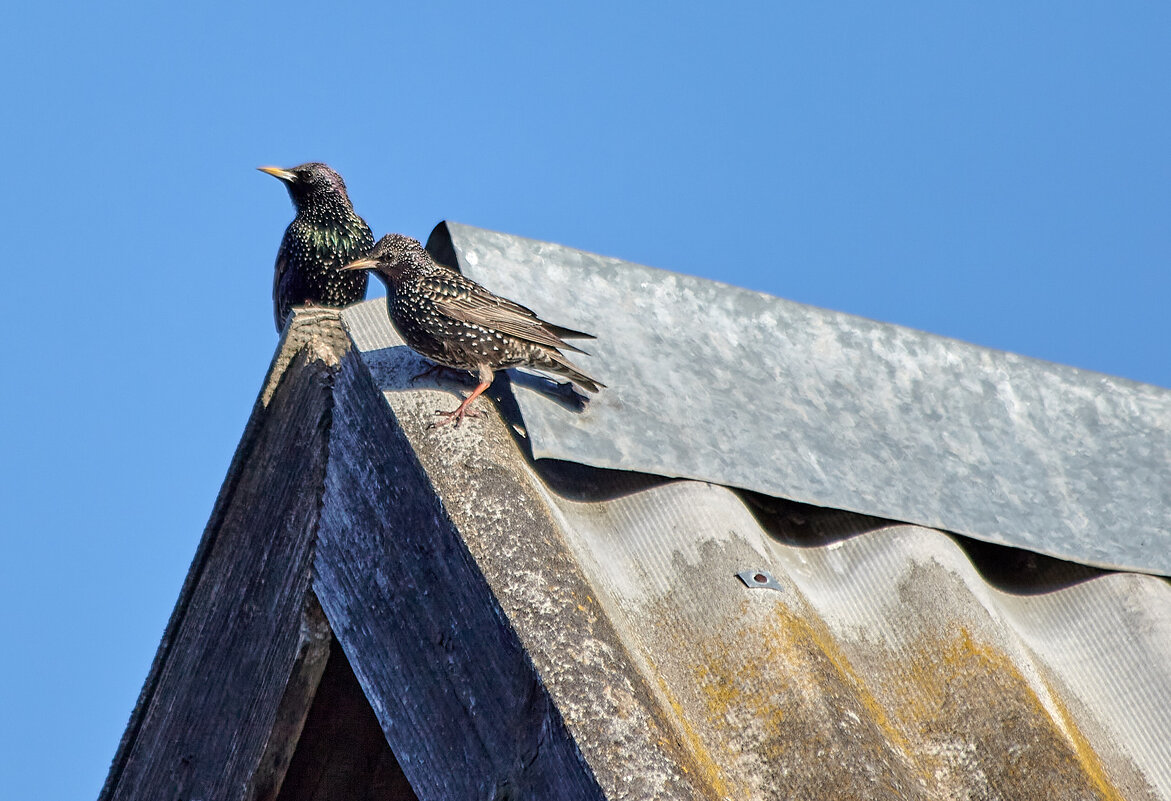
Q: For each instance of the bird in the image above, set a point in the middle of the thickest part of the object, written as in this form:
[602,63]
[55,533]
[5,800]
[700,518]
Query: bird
[324,236]
[450,319]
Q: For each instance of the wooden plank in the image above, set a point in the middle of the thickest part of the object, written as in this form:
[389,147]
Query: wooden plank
[301,690]
[459,700]
[215,691]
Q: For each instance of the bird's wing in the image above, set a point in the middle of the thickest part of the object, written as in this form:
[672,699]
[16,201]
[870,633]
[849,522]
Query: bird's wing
[278,272]
[466,301]
[569,333]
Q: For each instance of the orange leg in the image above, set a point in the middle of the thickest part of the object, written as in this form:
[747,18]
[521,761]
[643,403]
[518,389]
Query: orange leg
[461,411]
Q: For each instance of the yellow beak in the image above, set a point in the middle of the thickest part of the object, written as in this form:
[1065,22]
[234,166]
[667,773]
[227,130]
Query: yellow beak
[361,264]
[277,172]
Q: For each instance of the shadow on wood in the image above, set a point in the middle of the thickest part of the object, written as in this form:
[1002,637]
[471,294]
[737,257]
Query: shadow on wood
[342,754]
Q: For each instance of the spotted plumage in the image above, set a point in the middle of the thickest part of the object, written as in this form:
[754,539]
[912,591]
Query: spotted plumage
[457,323]
[325,235]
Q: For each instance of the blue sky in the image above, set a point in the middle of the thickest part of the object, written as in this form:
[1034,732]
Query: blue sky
[994,172]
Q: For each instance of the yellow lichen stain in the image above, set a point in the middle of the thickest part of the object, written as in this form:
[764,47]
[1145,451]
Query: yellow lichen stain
[956,689]
[708,769]
[779,695]
[1086,755]
[758,688]
[790,644]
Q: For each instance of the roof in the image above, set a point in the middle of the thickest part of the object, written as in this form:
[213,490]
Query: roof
[525,627]
[721,384]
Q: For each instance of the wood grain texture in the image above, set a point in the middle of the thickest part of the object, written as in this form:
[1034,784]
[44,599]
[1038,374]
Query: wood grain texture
[301,691]
[392,529]
[460,702]
[218,681]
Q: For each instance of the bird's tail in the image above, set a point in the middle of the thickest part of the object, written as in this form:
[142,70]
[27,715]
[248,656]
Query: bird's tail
[554,362]
[568,333]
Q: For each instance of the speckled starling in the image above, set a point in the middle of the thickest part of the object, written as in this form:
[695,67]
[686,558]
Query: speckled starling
[325,235]
[457,323]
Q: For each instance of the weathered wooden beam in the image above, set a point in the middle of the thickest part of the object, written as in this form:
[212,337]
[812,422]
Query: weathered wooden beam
[244,631]
[460,702]
[302,690]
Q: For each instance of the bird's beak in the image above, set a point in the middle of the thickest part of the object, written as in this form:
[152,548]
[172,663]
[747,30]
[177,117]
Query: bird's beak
[277,172]
[361,264]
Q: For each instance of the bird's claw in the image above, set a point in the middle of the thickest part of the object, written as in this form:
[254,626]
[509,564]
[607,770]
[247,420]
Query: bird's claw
[456,414]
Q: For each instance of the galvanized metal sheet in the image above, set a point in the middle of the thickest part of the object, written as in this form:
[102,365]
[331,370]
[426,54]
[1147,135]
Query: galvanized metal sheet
[739,388]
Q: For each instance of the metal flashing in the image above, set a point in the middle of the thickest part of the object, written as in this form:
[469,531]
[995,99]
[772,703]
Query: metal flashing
[711,382]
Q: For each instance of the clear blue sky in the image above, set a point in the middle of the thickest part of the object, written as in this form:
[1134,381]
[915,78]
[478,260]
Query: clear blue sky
[996,172]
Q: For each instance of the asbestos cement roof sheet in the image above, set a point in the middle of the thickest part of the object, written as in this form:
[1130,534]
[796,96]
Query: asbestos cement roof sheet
[738,388]
[884,663]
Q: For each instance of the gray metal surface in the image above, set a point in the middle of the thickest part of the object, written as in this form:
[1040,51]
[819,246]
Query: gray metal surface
[759,580]
[743,389]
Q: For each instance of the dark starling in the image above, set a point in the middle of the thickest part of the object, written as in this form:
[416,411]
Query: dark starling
[457,323]
[325,235]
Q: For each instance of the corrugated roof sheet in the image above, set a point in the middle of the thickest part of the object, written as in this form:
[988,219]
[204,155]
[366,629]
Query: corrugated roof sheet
[895,661]
[742,389]
[887,649]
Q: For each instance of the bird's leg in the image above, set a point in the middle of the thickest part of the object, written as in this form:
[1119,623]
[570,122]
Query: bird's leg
[461,411]
[431,370]
[439,368]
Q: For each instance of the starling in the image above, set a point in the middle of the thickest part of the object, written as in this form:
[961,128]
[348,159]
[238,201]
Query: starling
[455,322]
[325,235]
